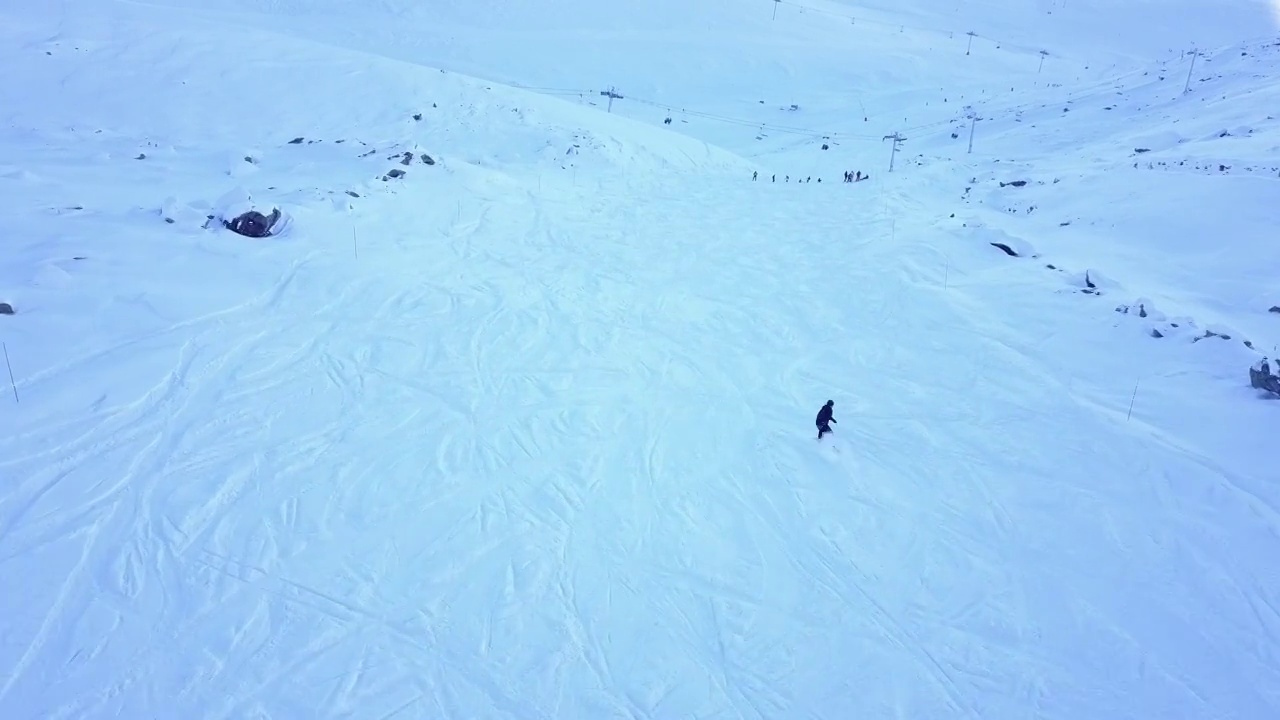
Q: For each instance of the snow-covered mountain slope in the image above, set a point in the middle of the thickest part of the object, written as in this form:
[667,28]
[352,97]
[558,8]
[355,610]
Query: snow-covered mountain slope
[1171,190]
[527,432]
[837,61]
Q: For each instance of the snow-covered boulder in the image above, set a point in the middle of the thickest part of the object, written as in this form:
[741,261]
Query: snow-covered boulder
[1001,240]
[1093,282]
[1143,308]
[1261,378]
[236,211]
[254,224]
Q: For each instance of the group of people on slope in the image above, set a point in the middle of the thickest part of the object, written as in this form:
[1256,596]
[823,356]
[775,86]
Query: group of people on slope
[849,176]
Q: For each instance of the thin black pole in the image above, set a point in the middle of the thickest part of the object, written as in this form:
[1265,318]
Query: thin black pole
[12,384]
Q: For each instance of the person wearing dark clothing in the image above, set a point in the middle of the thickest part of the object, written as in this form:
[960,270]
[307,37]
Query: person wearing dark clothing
[824,418]
[754,175]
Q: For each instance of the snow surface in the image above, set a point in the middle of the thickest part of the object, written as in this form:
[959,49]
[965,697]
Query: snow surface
[527,433]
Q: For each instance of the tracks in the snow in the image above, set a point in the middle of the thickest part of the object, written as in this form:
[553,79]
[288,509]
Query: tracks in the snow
[549,465]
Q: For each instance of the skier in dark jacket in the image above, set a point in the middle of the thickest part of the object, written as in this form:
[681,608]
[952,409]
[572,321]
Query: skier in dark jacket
[824,417]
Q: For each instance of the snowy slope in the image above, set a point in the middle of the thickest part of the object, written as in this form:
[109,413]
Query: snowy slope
[712,64]
[526,433]
[1176,195]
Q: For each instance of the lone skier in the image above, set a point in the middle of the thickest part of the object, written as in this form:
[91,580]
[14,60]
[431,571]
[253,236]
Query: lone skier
[824,417]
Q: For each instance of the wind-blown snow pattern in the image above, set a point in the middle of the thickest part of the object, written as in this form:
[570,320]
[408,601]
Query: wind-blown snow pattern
[527,431]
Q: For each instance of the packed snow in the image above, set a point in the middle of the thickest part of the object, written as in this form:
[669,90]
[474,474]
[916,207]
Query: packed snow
[513,417]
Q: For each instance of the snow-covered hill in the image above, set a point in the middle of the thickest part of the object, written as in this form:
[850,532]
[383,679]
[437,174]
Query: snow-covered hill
[524,428]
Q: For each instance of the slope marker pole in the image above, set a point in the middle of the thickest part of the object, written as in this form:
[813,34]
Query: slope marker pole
[8,365]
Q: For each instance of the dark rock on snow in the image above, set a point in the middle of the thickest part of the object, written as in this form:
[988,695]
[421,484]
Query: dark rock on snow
[253,223]
[1260,377]
[1210,334]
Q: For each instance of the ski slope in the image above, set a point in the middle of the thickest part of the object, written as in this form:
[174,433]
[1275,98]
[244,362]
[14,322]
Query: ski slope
[527,432]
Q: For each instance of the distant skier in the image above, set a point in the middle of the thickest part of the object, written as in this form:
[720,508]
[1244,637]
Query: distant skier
[754,175]
[824,418]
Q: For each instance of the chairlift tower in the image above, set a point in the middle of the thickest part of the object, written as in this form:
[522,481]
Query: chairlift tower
[612,94]
[897,139]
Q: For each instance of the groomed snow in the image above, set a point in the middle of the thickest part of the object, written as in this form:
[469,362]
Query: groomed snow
[528,432]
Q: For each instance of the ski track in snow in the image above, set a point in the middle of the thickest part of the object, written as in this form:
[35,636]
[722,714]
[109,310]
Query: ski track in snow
[475,485]
[544,449]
